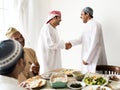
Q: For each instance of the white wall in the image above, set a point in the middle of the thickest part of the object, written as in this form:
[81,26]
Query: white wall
[107,12]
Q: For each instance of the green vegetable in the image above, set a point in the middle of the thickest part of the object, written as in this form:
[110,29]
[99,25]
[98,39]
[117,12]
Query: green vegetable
[75,85]
[93,81]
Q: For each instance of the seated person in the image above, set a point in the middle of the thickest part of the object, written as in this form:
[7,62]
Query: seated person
[32,65]
[11,64]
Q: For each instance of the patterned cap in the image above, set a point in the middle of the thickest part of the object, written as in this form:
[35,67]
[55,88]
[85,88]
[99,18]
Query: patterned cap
[10,52]
[88,10]
[11,31]
[52,14]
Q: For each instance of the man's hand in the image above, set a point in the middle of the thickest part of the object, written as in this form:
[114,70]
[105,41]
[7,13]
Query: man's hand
[85,63]
[35,68]
[25,85]
[68,45]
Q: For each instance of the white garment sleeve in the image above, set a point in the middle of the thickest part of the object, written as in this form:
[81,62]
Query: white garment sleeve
[95,45]
[76,41]
[61,44]
[51,44]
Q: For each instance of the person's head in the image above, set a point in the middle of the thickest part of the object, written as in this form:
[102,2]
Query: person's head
[11,58]
[54,18]
[86,14]
[13,33]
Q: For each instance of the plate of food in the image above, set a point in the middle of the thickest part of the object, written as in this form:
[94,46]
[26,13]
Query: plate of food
[115,85]
[95,79]
[35,82]
[46,75]
[96,87]
[78,75]
[114,77]
[114,81]
[69,72]
[75,85]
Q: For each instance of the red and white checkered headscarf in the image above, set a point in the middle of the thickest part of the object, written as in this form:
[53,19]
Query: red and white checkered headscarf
[52,14]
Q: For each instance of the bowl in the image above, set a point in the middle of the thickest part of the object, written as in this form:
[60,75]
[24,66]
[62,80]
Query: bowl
[76,85]
[78,75]
[97,87]
[58,80]
[95,79]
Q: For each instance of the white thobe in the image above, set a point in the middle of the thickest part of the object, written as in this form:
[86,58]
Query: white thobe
[93,50]
[8,83]
[49,46]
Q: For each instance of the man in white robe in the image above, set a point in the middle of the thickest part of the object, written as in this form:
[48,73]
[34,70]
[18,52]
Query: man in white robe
[93,50]
[9,83]
[32,66]
[11,64]
[49,44]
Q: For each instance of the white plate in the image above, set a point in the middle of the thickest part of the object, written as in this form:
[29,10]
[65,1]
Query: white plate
[94,87]
[68,72]
[115,85]
[75,82]
[35,82]
[46,75]
[114,78]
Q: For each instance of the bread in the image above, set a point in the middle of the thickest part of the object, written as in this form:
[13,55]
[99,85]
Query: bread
[36,82]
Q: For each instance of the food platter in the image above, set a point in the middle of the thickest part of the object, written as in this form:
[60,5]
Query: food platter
[96,87]
[95,79]
[35,82]
[115,85]
[114,77]
[46,75]
[78,75]
[114,81]
[58,80]
[69,72]
[75,85]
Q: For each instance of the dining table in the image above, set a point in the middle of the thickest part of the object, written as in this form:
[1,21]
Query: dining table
[113,85]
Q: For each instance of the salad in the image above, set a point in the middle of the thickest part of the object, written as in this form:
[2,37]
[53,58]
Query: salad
[95,79]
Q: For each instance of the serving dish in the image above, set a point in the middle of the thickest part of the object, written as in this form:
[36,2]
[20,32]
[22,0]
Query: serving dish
[96,87]
[115,85]
[75,85]
[35,82]
[78,75]
[58,80]
[68,72]
[95,79]
[114,77]
[47,75]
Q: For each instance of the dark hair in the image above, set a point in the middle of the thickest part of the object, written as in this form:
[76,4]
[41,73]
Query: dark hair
[56,16]
[89,14]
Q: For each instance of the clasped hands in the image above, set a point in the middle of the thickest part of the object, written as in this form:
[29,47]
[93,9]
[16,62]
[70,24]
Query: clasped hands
[68,45]
[35,68]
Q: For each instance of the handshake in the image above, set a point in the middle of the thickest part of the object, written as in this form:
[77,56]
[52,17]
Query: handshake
[68,45]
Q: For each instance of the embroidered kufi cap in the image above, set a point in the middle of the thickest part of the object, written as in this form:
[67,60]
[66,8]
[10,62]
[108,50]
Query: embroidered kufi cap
[11,31]
[88,10]
[10,52]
